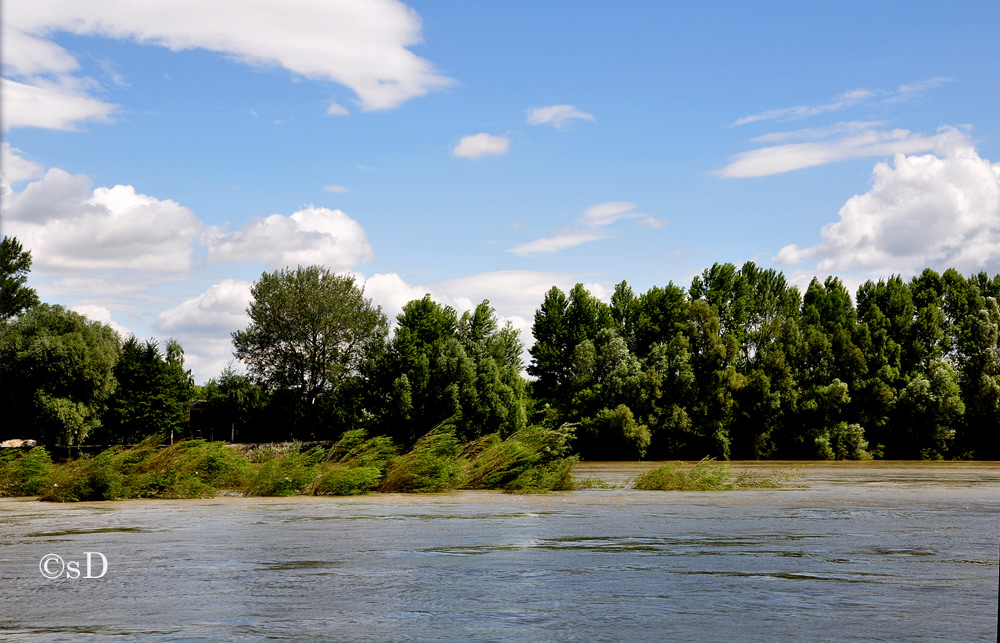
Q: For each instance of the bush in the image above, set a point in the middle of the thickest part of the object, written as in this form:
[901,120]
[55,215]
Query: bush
[342,480]
[432,465]
[706,475]
[190,469]
[24,473]
[286,475]
[531,460]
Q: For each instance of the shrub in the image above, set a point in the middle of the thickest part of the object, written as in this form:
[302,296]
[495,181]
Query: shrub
[190,469]
[286,475]
[24,473]
[341,480]
[529,461]
[706,475]
[432,465]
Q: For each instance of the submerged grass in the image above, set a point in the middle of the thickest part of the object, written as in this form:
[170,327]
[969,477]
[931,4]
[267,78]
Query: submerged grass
[705,475]
[533,460]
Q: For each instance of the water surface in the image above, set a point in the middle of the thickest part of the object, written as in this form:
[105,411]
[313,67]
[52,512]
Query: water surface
[866,552]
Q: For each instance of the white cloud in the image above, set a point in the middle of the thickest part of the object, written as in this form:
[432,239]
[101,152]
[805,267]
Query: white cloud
[59,105]
[14,168]
[562,240]
[203,323]
[336,109]
[922,211]
[390,291]
[361,45]
[593,226]
[70,228]
[310,236]
[844,143]
[339,189]
[478,145]
[604,214]
[101,314]
[559,116]
[847,99]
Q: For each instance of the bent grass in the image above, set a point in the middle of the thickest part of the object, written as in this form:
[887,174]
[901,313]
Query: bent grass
[706,475]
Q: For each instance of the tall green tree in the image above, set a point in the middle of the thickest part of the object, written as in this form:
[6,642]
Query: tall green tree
[15,263]
[310,331]
[441,367]
[56,374]
[152,397]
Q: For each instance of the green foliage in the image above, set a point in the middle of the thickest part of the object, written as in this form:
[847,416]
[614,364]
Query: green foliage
[441,367]
[705,475]
[190,469]
[56,369]
[15,263]
[432,465]
[288,474]
[340,480]
[743,366]
[152,397]
[24,473]
[310,332]
[532,460]
[237,406]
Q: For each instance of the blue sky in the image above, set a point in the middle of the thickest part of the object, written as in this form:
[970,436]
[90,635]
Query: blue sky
[156,163]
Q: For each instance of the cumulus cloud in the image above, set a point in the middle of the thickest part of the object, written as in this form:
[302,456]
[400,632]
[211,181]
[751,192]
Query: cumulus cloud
[936,211]
[514,294]
[310,236]
[594,225]
[101,314]
[477,145]
[558,116]
[70,228]
[363,46]
[203,323]
[842,142]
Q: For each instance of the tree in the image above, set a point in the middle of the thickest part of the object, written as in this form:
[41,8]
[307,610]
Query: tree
[56,373]
[310,331]
[441,367]
[153,393]
[15,296]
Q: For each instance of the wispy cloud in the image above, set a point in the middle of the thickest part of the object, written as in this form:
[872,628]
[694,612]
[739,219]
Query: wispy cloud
[593,225]
[845,100]
[339,189]
[842,142]
[558,116]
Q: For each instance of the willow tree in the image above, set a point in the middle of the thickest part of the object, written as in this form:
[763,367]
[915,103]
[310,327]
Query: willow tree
[310,331]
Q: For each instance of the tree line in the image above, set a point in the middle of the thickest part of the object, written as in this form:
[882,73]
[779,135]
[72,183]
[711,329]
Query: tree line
[738,365]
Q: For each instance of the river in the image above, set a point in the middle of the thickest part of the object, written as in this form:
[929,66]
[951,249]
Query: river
[860,551]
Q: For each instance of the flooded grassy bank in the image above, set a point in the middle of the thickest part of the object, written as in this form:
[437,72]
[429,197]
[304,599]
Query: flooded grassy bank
[820,473]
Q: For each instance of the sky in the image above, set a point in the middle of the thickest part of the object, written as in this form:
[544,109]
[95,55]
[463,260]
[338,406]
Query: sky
[159,156]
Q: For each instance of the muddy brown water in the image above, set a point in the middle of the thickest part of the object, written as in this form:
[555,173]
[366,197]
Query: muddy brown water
[852,551]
